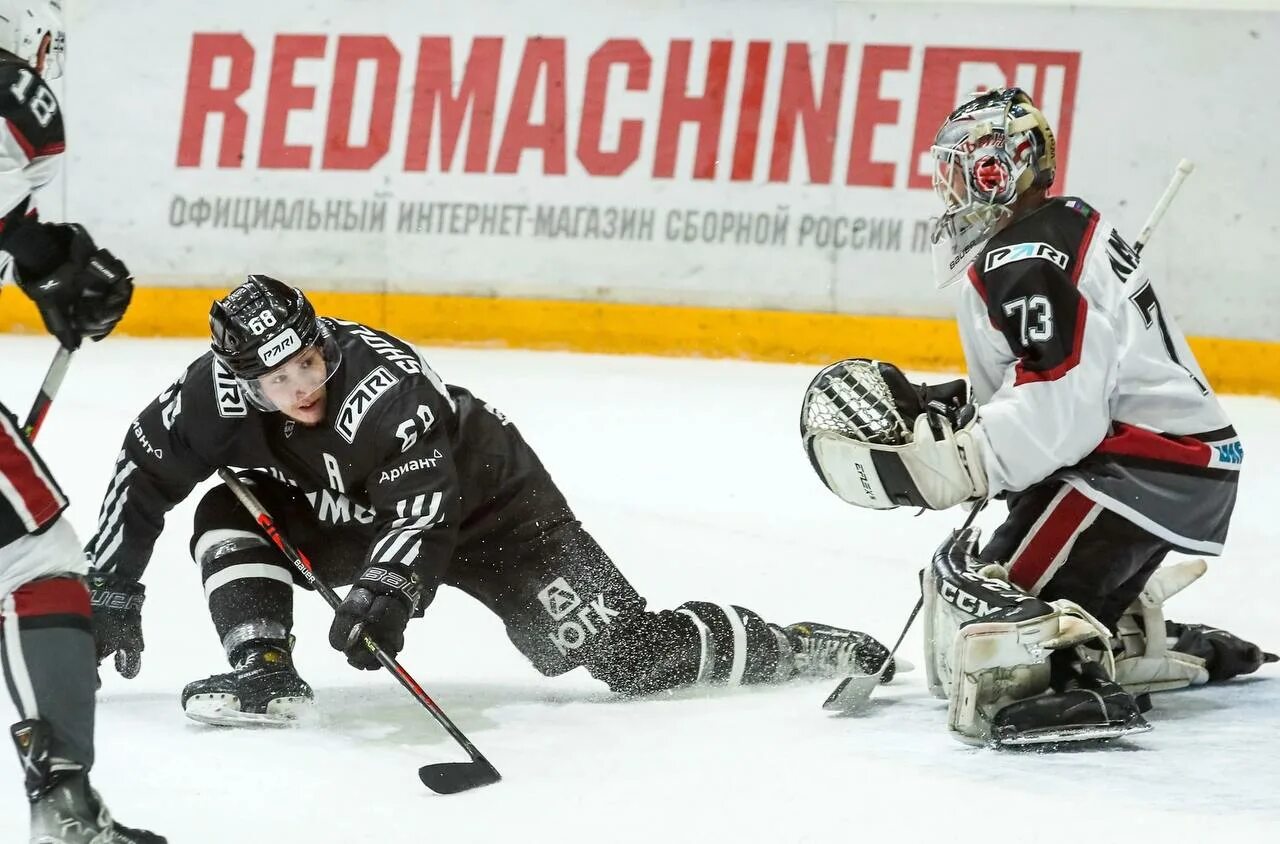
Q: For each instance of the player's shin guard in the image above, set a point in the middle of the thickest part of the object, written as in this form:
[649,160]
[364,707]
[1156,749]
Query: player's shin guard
[46,643]
[248,587]
[702,643]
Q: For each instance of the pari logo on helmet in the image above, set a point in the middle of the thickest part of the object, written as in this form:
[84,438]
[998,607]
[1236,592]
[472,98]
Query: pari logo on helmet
[279,349]
[33,31]
[989,152]
[267,335]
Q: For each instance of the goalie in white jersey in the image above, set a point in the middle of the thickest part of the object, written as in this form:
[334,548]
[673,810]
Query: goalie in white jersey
[1087,412]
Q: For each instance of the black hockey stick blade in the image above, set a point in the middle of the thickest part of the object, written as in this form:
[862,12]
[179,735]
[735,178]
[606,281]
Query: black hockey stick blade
[452,777]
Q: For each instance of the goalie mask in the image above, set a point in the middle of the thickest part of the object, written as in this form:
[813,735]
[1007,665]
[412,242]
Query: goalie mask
[989,151]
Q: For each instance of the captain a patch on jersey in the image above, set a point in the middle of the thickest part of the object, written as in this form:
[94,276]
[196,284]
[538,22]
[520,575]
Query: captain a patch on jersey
[997,258]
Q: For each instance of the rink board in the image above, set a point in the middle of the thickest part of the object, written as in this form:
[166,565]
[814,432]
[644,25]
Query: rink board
[1233,366]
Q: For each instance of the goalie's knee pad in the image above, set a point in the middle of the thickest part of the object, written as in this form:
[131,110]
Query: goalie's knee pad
[987,642]
[1146,663]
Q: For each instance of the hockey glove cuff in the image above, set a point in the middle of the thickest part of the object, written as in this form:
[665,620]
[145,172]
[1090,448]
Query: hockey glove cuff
[117,620]
[379,605]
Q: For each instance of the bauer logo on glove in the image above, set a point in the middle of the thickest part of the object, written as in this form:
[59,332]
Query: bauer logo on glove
[878,441]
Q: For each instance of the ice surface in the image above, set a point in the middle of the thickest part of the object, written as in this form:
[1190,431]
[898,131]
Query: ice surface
[691,475]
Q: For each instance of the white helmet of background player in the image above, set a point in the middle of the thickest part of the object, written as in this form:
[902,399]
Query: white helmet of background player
[33,31]
[989,152]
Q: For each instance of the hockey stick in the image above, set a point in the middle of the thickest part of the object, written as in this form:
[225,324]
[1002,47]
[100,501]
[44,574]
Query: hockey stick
[441,777]
[853,693]
[1185,166]
[48,389]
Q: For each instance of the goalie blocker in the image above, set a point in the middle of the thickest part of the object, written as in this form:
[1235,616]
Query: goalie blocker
[878,441]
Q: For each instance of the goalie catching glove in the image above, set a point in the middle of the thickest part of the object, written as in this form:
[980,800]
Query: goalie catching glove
[878,441]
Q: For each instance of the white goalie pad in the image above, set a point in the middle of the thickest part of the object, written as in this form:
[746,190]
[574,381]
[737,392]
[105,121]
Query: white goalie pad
[987,642]
[1144,663]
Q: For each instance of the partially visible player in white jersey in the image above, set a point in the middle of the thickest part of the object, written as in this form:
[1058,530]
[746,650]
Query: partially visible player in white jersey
[46,639]
[1086,411]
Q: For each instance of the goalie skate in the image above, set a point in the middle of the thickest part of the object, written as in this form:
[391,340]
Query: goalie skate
[263,690]
[1093,709]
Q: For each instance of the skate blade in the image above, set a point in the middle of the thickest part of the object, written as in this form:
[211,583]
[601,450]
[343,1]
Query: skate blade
[224,711]
[1086,733]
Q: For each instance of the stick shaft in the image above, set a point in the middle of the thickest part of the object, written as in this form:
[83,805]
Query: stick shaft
[303,565]
[48,389]
[1185,166]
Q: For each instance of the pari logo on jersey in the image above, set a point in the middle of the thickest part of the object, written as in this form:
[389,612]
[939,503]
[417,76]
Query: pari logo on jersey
[359,400]
[560,600]
[997,258]
[226,392]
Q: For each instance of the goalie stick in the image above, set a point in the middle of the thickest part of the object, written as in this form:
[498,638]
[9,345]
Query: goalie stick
[853,693]
[441,777]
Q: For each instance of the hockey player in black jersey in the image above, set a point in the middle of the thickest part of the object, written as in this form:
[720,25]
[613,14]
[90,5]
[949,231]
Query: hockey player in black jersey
[1088,413]
[81,291]
[396,483]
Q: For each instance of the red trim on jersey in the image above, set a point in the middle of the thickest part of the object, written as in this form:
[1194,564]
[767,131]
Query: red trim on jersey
[976,281]
[1083,251]
[1052,536]
[1139,442]
[18,466]
[1028,376]
[32,151]
[58,596]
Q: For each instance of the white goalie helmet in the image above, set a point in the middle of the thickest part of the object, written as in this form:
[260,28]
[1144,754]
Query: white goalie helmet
[33,31]
[990,151]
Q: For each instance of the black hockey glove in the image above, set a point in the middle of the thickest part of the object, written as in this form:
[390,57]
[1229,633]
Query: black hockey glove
[83,296]
[117,621]
[949,399]
[1225,656]
[379,605]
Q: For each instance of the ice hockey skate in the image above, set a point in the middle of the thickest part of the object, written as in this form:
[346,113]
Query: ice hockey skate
[262,690]
[1089,708]
[64,808]
[819,651]
[71,812]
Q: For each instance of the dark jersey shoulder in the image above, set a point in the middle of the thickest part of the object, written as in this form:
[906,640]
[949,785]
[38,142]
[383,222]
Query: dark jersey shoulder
[30,108]
[1027,275]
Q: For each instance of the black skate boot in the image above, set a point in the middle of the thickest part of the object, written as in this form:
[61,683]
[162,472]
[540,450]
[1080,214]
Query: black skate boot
[819,651]
[1225,655]
[1086,707]
[262,690]
[64,808]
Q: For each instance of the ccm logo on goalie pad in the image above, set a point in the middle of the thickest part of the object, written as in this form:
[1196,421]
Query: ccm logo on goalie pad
[997,258]
[360,399]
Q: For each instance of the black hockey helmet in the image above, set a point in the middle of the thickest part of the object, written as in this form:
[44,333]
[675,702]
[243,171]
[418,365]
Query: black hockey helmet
[263,324]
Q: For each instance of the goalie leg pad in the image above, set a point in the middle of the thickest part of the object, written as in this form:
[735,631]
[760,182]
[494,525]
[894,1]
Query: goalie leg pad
[989,642]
